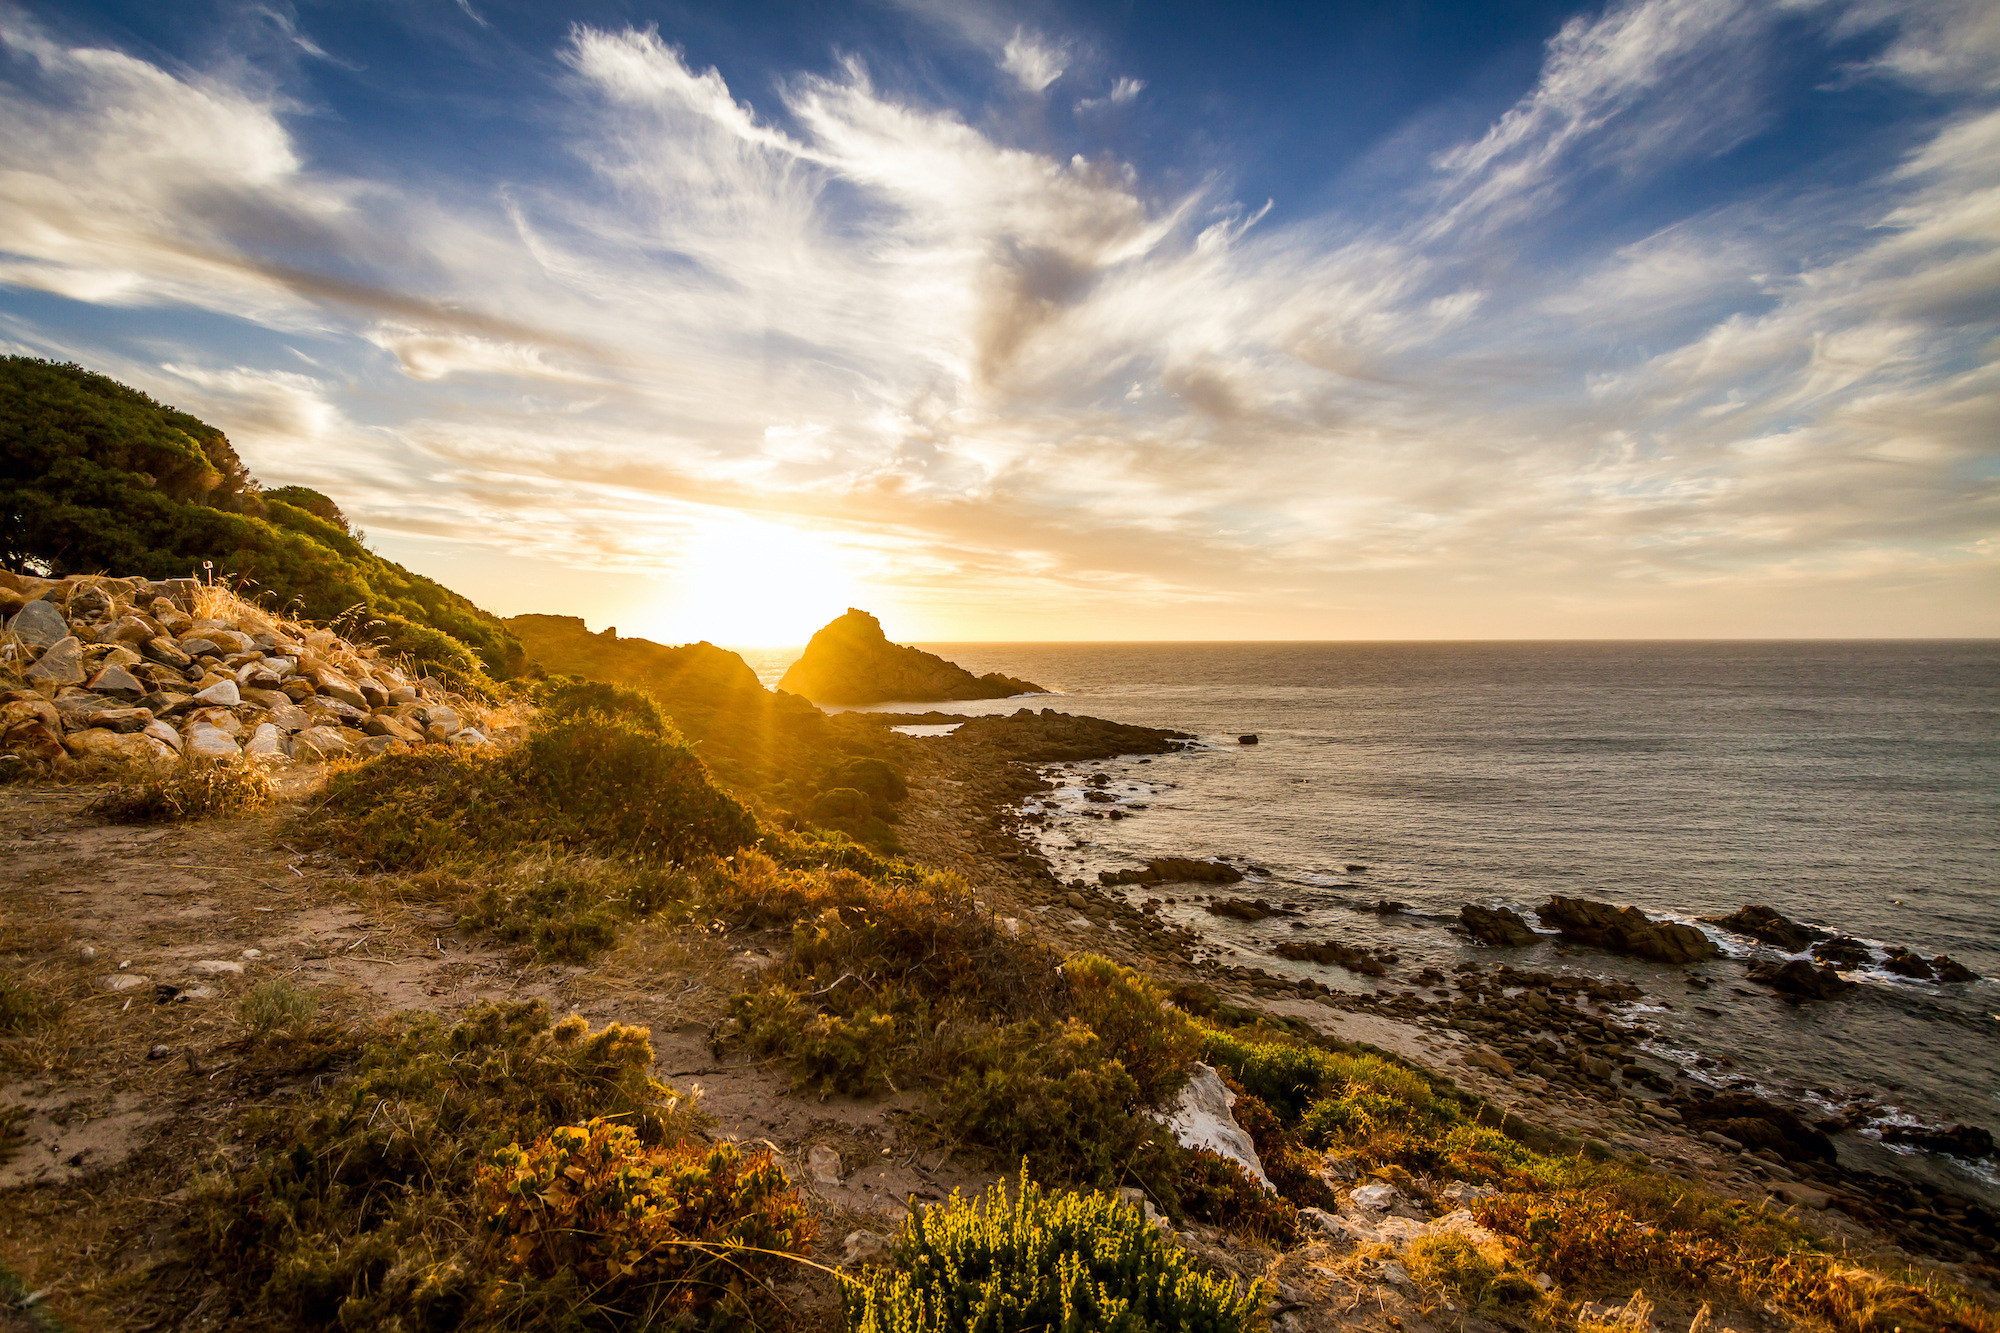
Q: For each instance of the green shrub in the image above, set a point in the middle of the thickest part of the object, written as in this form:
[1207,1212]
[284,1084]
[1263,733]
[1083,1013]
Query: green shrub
[1153,1040]
[360,1208]
[1216,1190]
[276,1005]
[876,777]
[841,803]
[564,699]
[194,789]
[1049,1096]
[591,1217]
[1482,1277]
[427,651]
[606,783]
[1068,1262]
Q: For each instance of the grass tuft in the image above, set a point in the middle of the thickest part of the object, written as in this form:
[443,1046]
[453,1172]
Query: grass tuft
[195,789]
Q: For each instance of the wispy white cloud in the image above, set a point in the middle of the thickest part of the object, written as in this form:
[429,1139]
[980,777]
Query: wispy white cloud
[1057,388]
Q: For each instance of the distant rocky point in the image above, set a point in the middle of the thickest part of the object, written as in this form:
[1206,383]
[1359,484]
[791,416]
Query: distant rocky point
[851,661]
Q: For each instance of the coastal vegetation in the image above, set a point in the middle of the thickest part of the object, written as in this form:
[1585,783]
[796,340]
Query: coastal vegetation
[97,477]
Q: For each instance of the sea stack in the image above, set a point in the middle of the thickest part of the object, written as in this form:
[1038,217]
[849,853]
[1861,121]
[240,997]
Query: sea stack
[851,661]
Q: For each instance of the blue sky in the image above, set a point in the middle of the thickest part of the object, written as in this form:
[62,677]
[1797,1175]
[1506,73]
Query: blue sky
[1125,320]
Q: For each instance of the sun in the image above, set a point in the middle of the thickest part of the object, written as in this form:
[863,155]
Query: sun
[747,582]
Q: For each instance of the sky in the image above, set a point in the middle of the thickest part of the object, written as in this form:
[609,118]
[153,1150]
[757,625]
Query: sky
[1045,321]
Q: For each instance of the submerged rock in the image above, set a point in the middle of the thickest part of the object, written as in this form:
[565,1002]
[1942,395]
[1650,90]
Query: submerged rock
[1967,1141]
[1499,926]
[1843,952]
[850,661]
[1626,930]
[1905,963]
[1768,925]
[1802,979]
[1162,869]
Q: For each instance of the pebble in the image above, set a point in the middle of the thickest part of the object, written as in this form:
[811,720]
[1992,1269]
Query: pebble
[823,1163]
[159,1053]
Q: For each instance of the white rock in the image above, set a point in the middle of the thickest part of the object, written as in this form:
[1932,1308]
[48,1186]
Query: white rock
[314,742]
[118,981]
[1377,1197]
[445,719]
[1201,1119]
[217,967]
[266,745]
[222,694]
[1396,1275]
[823,1163]
[253,954]
[211,742]
[164,733]
[469,736]
[1463,1192]
[1462,1222]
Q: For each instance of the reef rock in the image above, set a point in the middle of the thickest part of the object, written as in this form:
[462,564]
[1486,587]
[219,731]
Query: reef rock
[1496,925]
[851,661]
[1802,979]
[1626,930]
[1332,951]
[1763,923]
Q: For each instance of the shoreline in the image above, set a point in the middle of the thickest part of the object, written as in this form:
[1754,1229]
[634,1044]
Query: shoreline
[1442,1034]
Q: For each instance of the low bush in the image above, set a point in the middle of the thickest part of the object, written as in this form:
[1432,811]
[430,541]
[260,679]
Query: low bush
[276,1006]
[1216,1190]
[1052,1097]
[1153,1040]
[362,1207]
[1035,1262]
[1482,1277]
[194,789]
[593,1219]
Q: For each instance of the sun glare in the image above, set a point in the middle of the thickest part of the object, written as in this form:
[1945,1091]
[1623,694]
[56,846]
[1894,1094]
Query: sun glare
[744,582]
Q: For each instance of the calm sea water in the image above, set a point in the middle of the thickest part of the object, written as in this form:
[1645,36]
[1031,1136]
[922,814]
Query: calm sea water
[1853,786]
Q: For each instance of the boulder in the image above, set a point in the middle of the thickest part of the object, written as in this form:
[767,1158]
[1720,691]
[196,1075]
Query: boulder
[1905,963]
[1626,930]
[1843,952]
[39,623]
[37,740]
[1967,1141]
[125,629]
[1748,1121]
[61,663]
[1242,909]
[290,717]
[1763,923]
[266,745]
[382,724]
[167,653]
[850,661]
[1201,1118]
[1951,970]
[445,721]
[165,734]
[116,682]
[336,686]
[113,753]
[320,742]
[207,741]
[120,719]
[222,694]
[1802,979]
[1499,926]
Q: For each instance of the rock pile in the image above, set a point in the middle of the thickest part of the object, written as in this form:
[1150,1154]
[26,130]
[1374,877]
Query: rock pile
[121,677]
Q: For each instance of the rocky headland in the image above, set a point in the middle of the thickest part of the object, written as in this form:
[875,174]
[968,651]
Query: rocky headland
[850,661]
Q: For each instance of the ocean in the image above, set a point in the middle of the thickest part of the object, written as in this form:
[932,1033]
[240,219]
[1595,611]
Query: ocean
[1853,786]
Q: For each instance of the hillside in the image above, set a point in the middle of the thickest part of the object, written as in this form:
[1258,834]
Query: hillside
[850,661]
[96,477]
[773,748]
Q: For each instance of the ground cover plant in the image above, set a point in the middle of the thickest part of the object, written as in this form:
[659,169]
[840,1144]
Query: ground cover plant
[1043,1261]
[499,1172]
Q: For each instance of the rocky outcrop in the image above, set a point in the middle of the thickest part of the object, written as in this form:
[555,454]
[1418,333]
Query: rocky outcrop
[1772,927]
[1755,1123]
[1500,926]
[1333,952]
[1625,930]
[1046,737]
[851,661]
[1801,979]
[1177,869]
[103,677]
[1245,909]
[1968,1141]
[1843,952]
[1201,1118]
